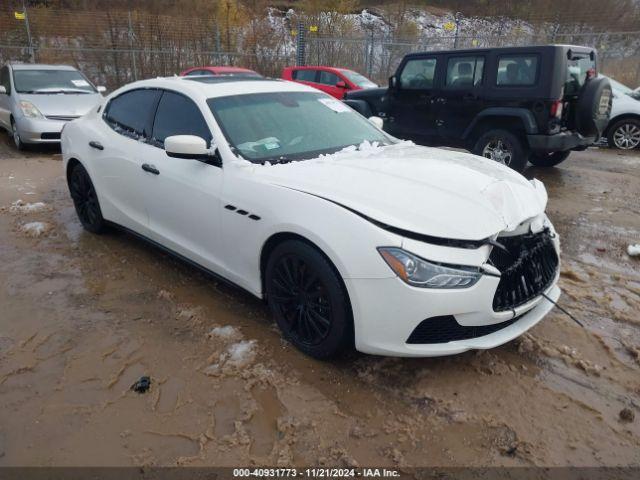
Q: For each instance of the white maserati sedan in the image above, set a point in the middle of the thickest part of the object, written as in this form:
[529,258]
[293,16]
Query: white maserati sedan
[352,237]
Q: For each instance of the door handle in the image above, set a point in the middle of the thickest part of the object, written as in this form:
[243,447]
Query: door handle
[96,145]
[150,168]
[469,96]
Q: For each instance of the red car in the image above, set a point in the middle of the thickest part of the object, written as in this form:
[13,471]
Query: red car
[334,81]
[233,71]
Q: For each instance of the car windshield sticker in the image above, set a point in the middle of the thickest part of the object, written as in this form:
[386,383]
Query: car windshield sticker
[335,105]
[80,83]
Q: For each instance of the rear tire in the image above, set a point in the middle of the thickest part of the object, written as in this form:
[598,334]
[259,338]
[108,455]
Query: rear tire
[503,147]
[548,159]
[307,299]
[85,200]
[624,134]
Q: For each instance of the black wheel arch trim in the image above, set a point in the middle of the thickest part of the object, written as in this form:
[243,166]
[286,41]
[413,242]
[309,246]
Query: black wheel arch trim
[526,116]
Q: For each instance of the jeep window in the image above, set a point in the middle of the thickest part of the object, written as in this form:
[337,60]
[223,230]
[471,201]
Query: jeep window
[304,75]
[464,72]
[418,74]
[517,70]
[578,68]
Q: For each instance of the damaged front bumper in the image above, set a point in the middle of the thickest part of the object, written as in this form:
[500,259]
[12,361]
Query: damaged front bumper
[394,318]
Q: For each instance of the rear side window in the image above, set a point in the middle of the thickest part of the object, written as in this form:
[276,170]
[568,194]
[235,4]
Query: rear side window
[578,68]
[328,78]
[304,75]
[517,70]
[178,115]
[129,114]
[464,72]
[418,74]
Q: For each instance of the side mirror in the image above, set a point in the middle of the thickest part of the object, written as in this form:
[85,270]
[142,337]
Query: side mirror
[341,84]
[189,147]
[3,90]
[101,89]
[377,122]
[393,82]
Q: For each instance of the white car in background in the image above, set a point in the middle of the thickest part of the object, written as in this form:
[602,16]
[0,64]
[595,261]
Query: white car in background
[623,130]
[351,236]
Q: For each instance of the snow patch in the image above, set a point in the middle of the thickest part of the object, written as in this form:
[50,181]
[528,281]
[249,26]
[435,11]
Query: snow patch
[226,333]
[634,250]
[21,207]
[35,229]
[238,355]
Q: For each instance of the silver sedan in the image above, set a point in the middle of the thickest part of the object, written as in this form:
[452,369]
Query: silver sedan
[37,100]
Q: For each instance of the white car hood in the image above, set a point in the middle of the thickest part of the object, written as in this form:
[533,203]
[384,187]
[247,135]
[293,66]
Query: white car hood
[423,190]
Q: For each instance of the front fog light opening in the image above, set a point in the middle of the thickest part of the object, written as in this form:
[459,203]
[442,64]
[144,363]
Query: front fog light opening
[419,272]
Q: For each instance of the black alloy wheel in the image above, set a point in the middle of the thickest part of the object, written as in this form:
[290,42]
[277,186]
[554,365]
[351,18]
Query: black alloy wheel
[307,299]
[85,200]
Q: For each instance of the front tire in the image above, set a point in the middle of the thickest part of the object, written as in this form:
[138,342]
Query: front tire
[624,134]
[85,200]
[548,159]
[503,147]
[307,299]
[17,141]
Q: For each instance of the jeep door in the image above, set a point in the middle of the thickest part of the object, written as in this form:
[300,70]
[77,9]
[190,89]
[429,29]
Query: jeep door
[460,99]
[412,112]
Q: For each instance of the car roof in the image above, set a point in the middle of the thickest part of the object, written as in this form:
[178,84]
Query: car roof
[40,66]
[310,67]
[498,49]
[211,87]
[220,69]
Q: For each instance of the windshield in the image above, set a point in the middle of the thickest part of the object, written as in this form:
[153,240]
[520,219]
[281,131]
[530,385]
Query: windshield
[578,69]
[358,79]
[51,81]
[283,126]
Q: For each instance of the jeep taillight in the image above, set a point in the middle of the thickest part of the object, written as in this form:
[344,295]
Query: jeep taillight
[556,109]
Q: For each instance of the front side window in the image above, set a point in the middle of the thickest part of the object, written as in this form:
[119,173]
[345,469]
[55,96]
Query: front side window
[51,81]
[464,72]
[4,79]
[359,80]
[287,126]
[130,113]
[304,75]
[517,70]
[178,115]
[418,74]
[328,78]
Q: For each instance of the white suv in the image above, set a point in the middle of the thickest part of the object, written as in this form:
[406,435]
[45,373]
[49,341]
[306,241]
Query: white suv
[623,130]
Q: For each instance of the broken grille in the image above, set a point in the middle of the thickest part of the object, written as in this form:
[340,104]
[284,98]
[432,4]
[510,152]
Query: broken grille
[528,265]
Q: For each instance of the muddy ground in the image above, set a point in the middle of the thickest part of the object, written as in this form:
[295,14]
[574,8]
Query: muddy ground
[83,316]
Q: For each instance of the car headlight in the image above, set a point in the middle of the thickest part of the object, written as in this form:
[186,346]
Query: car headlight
[420,273]
[29,109]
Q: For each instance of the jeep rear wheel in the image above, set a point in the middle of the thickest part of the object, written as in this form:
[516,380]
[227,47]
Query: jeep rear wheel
[548,159]
[625,134]
[503,147]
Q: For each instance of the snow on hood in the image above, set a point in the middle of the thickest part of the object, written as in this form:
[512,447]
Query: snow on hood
[424,190]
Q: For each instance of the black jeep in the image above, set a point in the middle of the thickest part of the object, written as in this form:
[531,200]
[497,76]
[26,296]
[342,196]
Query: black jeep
[509,104]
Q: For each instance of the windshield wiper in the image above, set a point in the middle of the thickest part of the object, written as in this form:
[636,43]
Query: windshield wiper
[51,91]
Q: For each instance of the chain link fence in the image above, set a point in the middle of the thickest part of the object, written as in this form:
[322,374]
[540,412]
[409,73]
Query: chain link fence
[117,47]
